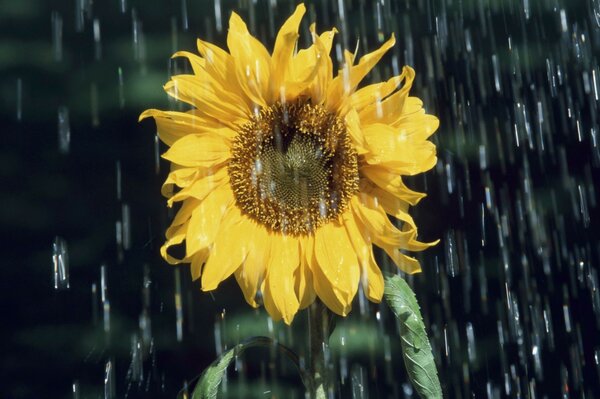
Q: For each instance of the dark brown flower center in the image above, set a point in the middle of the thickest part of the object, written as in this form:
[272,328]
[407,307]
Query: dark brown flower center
[293,167]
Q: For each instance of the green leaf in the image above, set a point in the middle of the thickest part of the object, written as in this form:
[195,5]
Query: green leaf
[208,383]
[416,349]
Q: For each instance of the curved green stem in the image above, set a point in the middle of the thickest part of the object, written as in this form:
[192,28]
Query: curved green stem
[319,322]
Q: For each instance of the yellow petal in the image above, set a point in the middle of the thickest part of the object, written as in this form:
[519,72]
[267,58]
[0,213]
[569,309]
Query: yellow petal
[350,76]
[405,263]
[375,93]
[252,61]
[179,176]
[304,286]
[284,259]
[206,219]
[205,182]
[392,205]
[198,63]
[197,261]
[173,125]
[175,235]
[252,273]
[371,277]
[313,68]
[185,212]
[375,221]
[219,64]
[354,129]
[337,261]
[389,108]
[209,98]
[229,250]
[392,183]
[283,51]
[395,149]
[204,151]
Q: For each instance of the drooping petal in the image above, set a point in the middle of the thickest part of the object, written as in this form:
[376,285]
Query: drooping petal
[175,235]
[279,285]
[337,261]
[304,285]
[252,273]
[198,261]
[404,262]
[391,204]
[389,108]
[203,151]
[206,220]
[229,249]
[252,61]
[382,231]
[173,125]
[392,183]
[198,63]
[373,94]
[205,182]
[395,150]
[371,277]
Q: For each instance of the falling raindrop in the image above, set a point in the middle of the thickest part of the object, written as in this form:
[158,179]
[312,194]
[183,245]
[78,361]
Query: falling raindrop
[19,99]
[60,261]
[57,36]
[64,130]
[97,43]
[109,380]
[178,305]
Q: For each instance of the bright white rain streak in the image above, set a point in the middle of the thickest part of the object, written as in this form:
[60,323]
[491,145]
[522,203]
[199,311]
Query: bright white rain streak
[511,296]
[60,263]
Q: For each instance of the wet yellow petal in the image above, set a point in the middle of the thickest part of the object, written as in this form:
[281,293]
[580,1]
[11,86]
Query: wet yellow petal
[350,76]
[175,235]
[404,262]
[205,183]
[313,68]
[284,259]
[209,98]
[206,219]
[252,273]
[304,286]
[173,125]
[391,204]
[374,94]
[394,149]
[283,52]
[203,151]
[252,61]
[355,131]
[197,262]
[337,261]
[197,63]
[375,221]
[389,108]
[219,64]
[371,277]
[229,250]
[392,183]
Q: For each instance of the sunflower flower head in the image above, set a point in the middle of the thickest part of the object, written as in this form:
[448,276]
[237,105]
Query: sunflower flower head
[286,174]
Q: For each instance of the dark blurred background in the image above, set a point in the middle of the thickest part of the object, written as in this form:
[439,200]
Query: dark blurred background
[510,295]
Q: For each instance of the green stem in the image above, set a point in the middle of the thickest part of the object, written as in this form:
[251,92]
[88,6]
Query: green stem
[319,318]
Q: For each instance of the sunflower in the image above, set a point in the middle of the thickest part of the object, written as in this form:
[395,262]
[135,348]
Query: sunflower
[286,174]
